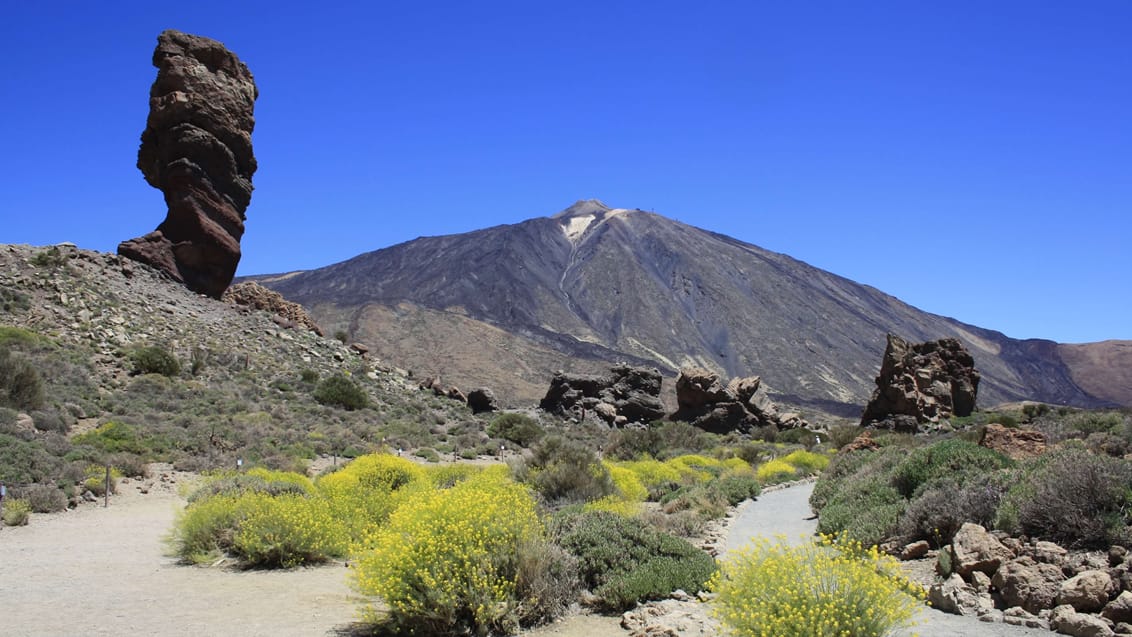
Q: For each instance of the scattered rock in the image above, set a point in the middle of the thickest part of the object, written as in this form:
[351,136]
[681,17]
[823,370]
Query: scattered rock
[1032,585]
[1067,621]
[863,441]
[1086,592]
[197,149]
[1017,616]
[955,596]
[924,382]
[1120,609]
[1017,444]
[973,549]
[914,551]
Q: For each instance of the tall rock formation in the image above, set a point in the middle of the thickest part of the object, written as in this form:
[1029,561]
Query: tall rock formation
[922,383]
[197,149]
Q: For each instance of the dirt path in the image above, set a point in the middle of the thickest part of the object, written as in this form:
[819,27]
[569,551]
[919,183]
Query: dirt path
[99,571]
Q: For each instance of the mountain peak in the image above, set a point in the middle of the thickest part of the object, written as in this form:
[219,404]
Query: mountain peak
[583,207]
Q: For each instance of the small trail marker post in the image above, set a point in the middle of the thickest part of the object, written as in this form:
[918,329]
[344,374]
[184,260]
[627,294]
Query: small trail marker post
[106,496]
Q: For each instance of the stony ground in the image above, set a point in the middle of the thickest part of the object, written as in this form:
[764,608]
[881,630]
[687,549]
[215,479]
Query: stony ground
[102,571]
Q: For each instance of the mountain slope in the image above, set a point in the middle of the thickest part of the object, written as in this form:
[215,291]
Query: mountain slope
[600,284]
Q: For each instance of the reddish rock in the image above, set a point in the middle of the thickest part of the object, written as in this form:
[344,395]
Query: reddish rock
[197,149]
[1017,444]
[254,295]
[922,383]
[863,441]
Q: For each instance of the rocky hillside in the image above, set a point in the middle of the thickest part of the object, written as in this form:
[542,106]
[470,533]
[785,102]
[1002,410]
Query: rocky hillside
[508,305]
[77,328]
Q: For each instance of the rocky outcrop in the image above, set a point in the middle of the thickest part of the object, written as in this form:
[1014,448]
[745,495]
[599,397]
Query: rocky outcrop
[482,400]
[627,394]
[973,549]
[197,149]
[741,405]
[922,383]
[253,295]
[1023,582]
[1017,444]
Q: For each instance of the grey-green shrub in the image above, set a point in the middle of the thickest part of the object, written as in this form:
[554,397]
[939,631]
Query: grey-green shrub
[340,390]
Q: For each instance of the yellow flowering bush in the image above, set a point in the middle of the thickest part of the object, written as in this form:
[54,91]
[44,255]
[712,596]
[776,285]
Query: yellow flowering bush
[363,494]
[808,462]
[16,512]
[834,588]
[287,530]
[777,470]
[447,562]
[629,486]
[654,474]
[696,468]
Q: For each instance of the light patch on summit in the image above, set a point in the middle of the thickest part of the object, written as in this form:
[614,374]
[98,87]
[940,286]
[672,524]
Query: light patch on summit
[575,226]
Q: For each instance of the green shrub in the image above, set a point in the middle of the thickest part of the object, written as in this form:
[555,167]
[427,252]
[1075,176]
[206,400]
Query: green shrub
[942,459]
[340,390]
[50,257]
[624,560]
[12,300]
[447,562]
[564,472]
[16,512]
[308,376]
[944,505]
[112,437]
[21,386]
[658,441]
[155,360]
[736,487]
[26,461]
[773,590]
[427,454]
[1072,497]
[518,428]
[287,530]
[546,581]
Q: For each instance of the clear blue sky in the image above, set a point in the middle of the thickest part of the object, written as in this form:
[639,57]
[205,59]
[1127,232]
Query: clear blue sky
[972,158]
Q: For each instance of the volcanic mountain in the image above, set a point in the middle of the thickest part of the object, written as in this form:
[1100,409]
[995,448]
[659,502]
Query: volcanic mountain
[506,306]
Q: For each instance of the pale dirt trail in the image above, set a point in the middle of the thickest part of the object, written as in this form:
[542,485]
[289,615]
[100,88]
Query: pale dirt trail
[98,571]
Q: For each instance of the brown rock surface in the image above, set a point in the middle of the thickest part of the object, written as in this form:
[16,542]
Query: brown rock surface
[1087,591]
[1017,444]
[634,392]
[1026,583]
[926,381]
[252,294]
[973,549]
[707,403]
[197,149]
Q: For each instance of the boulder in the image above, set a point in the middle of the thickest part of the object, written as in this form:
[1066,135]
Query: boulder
[955,596]
[253,295]
[973,549]
[1017,444]
[926,382]
[1086,592]
[1067,621]
[1119,610]
[697,387]
[482,400]
[197,149]
[863,442]
[1023,582]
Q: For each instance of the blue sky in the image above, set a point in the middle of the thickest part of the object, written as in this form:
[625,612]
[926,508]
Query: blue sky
[971,158]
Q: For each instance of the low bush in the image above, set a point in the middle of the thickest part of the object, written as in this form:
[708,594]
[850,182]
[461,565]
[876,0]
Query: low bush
[340,390]
[807,463]
[1072,497]
[44,498]
[564,472]
[774,590]
[21,386]
[287,530]
[447,562]
[775,471]
[665,440]
[625,560]
[517,428]
[154,360]
[944,505]
[112,437]
[16,512]
[942,459]
[94,479]
[546,581]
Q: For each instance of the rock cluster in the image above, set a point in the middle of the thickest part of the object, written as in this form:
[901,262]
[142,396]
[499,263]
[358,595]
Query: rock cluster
[1037,584]
[253,295]
[741,405]
[1017,444]
[197,149]
[625,395]
[922,383]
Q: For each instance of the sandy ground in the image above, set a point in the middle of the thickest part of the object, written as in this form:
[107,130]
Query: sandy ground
[97,571]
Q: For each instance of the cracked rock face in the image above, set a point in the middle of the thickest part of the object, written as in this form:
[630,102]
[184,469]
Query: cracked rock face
[922,383]
[197,149]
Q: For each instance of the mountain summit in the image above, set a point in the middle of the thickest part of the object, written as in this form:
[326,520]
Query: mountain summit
[508,305]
